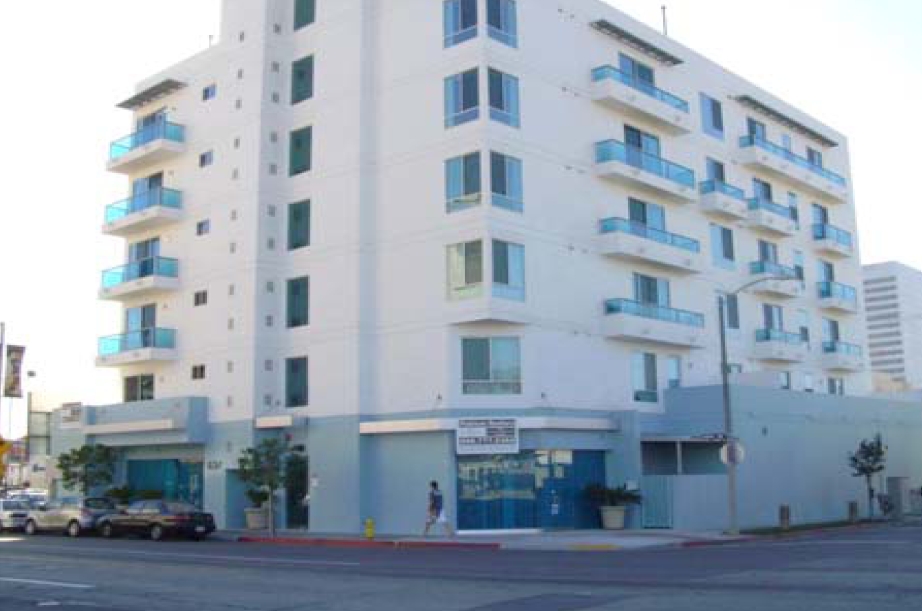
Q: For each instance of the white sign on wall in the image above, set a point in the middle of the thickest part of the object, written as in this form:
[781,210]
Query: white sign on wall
[71,415]
[487,436]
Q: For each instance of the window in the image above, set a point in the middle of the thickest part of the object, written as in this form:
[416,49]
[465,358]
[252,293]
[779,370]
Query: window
[299,225]
[820,214]
[799,265]
[651,291]
[808,382]
[302,80]
[460,20]
[643,377]
[198,372]
[305,13]
[209,92]
[722,249]
[673,372]
[712,117]
[831,330]
[793,205]
[465,270]
[773,317]
[299,159]
[462,182]
[506,182]
[296,382]
[826,271]
[647,215]
[508,270]
[786,142]
[501,21]
[640,74]
[761,189]
[203,227]
[803,317]
[491,366]
[206,159]
[715,170]
[731,311]
[297,303]
[756,129]
[504,98]
[200,298]
[835,386]
[138,388]
[462,98]
[642,148]
[814,157]
[768,252]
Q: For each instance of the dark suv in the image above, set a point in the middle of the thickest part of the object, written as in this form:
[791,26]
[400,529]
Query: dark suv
[158,519]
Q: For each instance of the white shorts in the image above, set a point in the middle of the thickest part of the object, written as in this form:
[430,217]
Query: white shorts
[439,519]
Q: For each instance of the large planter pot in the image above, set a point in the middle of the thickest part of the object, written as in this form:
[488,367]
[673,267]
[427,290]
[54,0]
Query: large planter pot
[612,517]
[257,518]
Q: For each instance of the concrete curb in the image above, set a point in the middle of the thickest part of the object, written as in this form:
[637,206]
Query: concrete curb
[363,543]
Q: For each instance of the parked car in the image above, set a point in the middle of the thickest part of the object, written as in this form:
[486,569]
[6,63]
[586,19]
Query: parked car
[72,516]
[13,514]
[157,520]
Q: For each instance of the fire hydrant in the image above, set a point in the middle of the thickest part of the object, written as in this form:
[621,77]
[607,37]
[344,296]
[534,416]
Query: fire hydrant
[369,528]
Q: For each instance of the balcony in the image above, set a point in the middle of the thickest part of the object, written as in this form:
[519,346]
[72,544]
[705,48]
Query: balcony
[144,277]
[841,356]
[760,153]
[838,297]
[630,240]
[776,280]
[487,309]
[719,198]
[623,92]
[148,345]
[650,323]
[177,421]
[616,161]
[147,146]
[771,217]
[142,212]
[833,241]
[777,345]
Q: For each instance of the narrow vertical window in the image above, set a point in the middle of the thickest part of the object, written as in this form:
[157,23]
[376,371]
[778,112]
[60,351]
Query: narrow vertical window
[460,20]
[462,98]
[305,13]
[712,118]
[504,98]
[299,156]
[302,80]
[643,377]
[508,270]
[299,225]
[298,302]
[674,372]
[502,22]
[465,270]
[506,182]
[296,382]
[462,182]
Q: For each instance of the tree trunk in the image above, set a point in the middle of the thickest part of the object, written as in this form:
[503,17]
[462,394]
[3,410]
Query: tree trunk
[870,497]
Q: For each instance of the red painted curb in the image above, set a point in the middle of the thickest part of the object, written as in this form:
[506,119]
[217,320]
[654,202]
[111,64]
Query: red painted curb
[708,543]
[360,543]
[446,544]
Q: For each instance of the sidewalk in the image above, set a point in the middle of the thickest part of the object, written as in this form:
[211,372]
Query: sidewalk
[591,540]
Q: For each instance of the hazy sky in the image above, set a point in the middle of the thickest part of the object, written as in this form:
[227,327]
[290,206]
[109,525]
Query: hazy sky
[854,64]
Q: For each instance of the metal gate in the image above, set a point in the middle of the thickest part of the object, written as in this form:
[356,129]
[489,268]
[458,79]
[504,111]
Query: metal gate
[657,501]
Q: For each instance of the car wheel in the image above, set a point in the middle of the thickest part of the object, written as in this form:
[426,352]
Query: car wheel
[74,529]
[30,527]
[156,532]
[106,530]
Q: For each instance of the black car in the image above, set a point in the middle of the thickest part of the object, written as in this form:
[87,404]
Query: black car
[158,519]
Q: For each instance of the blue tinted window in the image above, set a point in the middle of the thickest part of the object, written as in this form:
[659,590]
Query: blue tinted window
[462,98]
[502,21]
[460,21]
[504,98]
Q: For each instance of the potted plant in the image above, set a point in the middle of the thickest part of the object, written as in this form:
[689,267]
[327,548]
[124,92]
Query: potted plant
[612,503]
[261,470]
[257,516]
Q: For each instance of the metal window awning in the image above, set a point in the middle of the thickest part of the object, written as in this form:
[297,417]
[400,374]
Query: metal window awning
[780,117]
[631,40]
[154,92]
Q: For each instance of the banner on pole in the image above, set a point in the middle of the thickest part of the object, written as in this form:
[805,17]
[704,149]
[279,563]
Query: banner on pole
[12,384]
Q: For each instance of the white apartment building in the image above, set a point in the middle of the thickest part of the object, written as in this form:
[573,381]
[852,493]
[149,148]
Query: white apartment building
[355,222]
[893,298]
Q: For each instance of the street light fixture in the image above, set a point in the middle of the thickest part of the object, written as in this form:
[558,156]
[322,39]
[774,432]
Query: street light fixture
[732,446]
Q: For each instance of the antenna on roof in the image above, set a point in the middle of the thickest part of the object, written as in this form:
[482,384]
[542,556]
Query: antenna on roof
[665,24]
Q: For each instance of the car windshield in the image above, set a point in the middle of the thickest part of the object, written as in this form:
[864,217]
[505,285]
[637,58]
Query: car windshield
[181,508]
[98,504]
[14,506]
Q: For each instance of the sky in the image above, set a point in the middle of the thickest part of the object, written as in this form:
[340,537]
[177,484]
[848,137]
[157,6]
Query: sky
[854,64]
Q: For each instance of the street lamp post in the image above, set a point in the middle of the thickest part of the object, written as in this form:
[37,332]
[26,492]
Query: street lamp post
[732,509]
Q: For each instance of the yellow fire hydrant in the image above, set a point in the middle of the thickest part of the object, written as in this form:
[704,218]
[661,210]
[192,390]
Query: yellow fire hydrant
[369,528]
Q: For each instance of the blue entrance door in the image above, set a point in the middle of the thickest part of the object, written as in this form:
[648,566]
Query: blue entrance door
[175,479]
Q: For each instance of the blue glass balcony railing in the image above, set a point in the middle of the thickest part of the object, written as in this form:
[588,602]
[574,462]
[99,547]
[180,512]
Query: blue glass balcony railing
[803,162]
[777,335]
[718,186]
[772,268]
[610,72]
[151,337]
[168,198]
[653,311]
[842,348]
[619,225]
[829,232]
[144,268]
[612,150]
[757,203]
[146,135]
[834,290]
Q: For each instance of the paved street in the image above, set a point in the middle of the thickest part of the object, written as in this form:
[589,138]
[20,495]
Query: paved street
[879,569]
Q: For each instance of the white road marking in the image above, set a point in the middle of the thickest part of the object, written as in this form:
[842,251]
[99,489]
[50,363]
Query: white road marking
[112,550]
[54,584]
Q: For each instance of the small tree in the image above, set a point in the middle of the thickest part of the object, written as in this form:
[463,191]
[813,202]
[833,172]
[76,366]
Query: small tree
[87,467]
[262,468]
[869,459]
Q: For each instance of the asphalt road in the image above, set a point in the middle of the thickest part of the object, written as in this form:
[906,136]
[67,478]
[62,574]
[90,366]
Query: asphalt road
[873,569]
